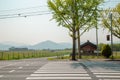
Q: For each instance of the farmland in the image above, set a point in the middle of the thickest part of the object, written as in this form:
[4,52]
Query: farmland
[15,55]
[12,55]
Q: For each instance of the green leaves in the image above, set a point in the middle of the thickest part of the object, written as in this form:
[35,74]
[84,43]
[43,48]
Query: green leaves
[83,12]
[115,20]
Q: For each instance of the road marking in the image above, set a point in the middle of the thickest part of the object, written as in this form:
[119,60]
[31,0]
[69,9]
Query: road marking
[106,73]
[59,75]
[1,76]
[20,67]
[60,72]
[6,66]
[108,76]
[56,78]
[27,64]
[11,71]
[109,79]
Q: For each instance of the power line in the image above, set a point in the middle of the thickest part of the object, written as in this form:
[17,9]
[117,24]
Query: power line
[15,13]
[24,13]
[23,8]
[28,15]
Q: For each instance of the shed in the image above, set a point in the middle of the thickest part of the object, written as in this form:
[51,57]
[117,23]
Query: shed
[88,47]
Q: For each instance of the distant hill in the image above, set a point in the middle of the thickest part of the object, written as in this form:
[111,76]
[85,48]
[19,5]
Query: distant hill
[42,45]
[51,45]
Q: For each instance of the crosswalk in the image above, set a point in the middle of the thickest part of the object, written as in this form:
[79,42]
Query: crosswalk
[72,71]
[60,71]
[108,75]
[105,70]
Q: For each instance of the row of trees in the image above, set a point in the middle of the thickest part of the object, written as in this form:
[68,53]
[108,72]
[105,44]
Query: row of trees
[78,16]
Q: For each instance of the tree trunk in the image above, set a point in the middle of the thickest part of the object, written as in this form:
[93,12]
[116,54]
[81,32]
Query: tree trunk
[79,53]
[74,30]
[74,46]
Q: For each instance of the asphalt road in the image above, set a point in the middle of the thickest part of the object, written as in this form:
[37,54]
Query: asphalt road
[41,69]
[19,69]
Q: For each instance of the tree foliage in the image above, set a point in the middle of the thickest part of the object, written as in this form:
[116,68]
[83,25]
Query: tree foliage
[75,15]
[85,11]
[115,20]
[106,51]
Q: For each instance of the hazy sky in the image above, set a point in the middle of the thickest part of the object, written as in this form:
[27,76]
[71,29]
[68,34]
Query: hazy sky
[35,29]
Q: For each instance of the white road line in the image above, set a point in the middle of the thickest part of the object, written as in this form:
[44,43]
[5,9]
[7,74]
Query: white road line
[108,76]
[1,76]
[109,79]
[20,67]
[56,78]
[11,71]
[27,64]
[59,75]
[59,72]
[6,66]
[106,73]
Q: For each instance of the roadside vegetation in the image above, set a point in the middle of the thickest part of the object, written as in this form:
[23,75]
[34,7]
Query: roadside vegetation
[14,55]
[51,54]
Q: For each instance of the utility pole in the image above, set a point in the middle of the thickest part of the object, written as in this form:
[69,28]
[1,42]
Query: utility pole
[97,32]
[97,39]
[111,34]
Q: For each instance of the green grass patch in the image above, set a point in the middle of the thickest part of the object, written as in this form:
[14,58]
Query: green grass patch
[13,55]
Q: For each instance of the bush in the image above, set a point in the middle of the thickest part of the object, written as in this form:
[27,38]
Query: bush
[106,51]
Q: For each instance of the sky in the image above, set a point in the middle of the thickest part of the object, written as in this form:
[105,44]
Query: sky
[34,29]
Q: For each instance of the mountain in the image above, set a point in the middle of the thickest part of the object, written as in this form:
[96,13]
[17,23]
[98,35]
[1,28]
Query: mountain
[51,45]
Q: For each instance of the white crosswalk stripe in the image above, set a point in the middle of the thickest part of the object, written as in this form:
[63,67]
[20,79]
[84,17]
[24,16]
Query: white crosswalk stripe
[62,78]
[105,70]
[60,75]
[108,75]
[1,75]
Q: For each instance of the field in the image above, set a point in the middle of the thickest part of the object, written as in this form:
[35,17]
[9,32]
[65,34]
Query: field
[59,54]
[116,55]
[10,55]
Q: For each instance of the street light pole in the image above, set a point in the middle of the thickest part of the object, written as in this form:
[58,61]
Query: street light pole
[111,34]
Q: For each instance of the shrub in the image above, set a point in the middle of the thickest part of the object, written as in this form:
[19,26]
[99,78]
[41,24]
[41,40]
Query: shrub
[106,51]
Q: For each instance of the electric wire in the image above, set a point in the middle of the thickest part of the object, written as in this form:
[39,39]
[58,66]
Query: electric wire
[34,11]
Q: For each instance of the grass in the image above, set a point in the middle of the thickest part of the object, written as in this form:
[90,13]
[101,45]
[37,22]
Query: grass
[13,55]
[53,55]
[116,56]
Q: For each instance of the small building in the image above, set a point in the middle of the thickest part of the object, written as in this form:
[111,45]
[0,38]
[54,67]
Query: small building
[88,47]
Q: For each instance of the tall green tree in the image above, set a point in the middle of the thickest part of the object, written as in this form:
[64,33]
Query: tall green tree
[115,20]
[87,17]
[75,15]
